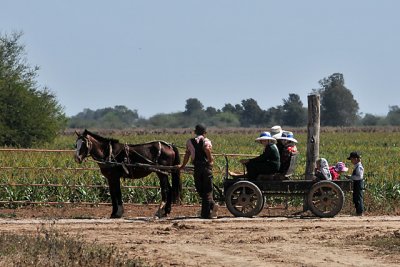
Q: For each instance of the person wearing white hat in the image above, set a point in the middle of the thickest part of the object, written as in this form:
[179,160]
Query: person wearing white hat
[267,163]
[276,131]
[287,148]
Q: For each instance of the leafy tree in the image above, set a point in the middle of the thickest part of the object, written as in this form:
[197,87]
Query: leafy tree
[294,114]
[234,109]
[393,115]
[119,117]
[224,119]
[252,114]
[229,108]
[338,106]
[28,115]
[372,120]
[211,111]
[193,106]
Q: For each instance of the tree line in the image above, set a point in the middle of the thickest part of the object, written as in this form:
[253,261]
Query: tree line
[30,115]
[338,108]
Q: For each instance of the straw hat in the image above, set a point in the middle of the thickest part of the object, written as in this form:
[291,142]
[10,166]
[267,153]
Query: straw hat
[265,136]
[287,136]
[276,131]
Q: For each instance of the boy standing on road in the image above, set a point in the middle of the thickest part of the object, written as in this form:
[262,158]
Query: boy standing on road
[199,150]
[358,182]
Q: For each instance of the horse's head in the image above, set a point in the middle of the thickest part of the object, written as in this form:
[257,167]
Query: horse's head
[83,147]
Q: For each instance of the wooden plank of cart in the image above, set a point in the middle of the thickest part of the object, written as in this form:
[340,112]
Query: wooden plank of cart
[246,198]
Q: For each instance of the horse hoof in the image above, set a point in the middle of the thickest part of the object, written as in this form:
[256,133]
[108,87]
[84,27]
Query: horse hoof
[120,211]
[160,214]
[115,216]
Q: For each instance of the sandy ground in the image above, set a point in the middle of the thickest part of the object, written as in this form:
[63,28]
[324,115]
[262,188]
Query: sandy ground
[275,238]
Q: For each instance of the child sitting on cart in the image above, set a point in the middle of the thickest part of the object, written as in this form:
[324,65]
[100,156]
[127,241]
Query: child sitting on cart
[287,148]
[337,170]
[322,170]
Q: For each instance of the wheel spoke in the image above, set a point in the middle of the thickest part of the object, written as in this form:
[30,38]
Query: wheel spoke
[326,199]
[244,199]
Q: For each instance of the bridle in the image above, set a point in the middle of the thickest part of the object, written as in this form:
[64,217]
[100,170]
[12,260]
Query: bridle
[84,140]
[79,143]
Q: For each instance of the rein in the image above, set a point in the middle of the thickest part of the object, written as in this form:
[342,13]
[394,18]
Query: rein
[127,162]
[110,159]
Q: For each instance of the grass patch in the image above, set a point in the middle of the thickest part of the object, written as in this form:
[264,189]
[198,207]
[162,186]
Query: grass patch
[51,248]
[389,243]
[8,215]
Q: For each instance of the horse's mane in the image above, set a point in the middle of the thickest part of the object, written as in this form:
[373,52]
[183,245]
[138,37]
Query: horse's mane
[100,138]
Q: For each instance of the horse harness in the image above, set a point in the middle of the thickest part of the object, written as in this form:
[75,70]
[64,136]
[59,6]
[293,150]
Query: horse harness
[112,159]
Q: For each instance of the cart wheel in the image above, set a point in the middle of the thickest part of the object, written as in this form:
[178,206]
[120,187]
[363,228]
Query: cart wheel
[244,199]
[325,199]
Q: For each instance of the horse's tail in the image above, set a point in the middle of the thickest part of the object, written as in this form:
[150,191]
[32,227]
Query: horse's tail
[176,178]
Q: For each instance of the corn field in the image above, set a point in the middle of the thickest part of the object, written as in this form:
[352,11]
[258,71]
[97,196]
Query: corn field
[30,176]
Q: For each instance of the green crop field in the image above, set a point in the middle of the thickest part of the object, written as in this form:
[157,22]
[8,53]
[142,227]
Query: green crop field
[23,173]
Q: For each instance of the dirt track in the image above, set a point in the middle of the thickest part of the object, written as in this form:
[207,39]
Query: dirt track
[227,241]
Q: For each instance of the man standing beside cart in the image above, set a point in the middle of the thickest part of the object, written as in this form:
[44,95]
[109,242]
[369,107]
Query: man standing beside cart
[198,149]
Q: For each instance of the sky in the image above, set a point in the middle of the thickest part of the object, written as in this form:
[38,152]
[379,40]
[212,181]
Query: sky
[153,55]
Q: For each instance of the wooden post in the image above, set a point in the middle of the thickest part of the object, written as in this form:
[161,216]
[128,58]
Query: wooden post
[313,128]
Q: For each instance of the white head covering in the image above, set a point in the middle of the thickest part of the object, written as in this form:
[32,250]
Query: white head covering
[324,168]
[276,131]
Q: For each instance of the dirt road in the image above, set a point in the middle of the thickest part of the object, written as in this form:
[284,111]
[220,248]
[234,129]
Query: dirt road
[227,241]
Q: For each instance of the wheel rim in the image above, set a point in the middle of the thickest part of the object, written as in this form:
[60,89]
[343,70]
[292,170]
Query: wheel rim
[244,199]
[326,199]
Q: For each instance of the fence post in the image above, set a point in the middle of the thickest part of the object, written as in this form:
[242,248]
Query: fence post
[313,129]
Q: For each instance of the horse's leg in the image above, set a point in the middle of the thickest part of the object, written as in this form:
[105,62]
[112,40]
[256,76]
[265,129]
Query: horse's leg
[114,184]
[165,206]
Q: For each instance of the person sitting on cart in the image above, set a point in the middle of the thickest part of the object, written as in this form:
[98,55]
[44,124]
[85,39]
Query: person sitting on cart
[337,170]
[322,170]
[287,150]
[276,131]
[267,163]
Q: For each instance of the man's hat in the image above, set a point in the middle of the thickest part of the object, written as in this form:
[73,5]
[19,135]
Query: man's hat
[200,129]
[354,155]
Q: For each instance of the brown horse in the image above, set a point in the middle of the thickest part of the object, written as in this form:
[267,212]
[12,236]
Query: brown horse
[118,160]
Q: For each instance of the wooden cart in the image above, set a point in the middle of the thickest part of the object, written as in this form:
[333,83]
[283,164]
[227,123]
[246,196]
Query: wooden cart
[246,198]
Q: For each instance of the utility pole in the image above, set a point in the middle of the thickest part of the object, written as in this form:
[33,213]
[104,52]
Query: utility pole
[313,129]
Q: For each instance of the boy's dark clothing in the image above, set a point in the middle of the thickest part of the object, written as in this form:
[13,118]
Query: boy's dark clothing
[358,195]
[358,186]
